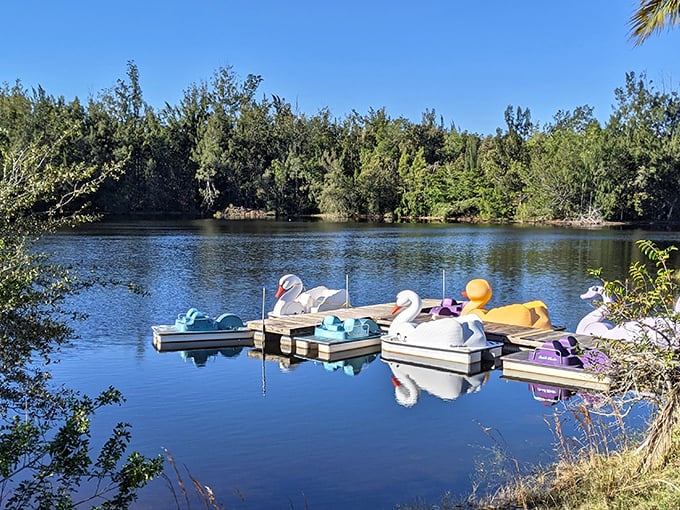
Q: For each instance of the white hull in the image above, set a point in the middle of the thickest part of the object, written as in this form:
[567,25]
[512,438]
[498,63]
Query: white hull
[167,338]
[459,355]
[323,347]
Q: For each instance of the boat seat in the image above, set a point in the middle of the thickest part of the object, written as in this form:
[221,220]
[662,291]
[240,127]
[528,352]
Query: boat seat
[332,323]
[349,324]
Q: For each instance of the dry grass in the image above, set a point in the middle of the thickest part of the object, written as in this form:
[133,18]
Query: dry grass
[602,470]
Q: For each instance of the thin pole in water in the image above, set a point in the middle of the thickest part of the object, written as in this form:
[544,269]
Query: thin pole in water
[443,284]
[347,305]
[264,377]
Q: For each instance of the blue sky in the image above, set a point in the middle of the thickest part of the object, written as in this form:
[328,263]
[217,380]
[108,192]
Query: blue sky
[466,60]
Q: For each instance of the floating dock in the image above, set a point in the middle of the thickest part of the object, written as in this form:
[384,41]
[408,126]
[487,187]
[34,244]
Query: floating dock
[281,332]
[278,335]
[521,338]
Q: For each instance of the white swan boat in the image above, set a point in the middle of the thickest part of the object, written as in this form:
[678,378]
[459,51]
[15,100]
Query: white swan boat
[197,330]
[458,340]
[664,332]
[294,300]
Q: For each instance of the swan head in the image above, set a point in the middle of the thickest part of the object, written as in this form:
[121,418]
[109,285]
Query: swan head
[406,298]
[593,292]
[286,283]
[478,290]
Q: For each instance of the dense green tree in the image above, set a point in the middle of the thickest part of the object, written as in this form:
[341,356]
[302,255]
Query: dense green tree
[457,187]
[643,136]
[378,179]
[45,449]
[504,160]
[416,178]
[560,173]
[338,195]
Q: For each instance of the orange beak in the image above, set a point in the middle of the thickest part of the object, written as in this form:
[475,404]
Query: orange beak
[464,294]
[396,309]
[279,292]
[395,382]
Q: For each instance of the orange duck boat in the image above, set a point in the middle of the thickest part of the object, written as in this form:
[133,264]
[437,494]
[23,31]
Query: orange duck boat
[531,314]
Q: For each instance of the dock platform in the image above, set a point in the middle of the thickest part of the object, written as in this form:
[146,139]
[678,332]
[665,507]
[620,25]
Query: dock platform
[283,330]
[278,335]
[521,338]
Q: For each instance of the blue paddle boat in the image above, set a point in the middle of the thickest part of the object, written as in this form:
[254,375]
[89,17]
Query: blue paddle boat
[334,336]
[198,330]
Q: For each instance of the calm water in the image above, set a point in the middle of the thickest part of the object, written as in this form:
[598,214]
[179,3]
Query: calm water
[310,435]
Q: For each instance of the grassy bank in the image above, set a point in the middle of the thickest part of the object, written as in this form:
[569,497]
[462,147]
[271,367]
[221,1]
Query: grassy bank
[596,481]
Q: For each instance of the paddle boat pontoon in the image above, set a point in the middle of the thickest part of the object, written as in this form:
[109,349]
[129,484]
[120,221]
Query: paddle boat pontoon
[197,330]
[458,340]
[334,336]
[560,362]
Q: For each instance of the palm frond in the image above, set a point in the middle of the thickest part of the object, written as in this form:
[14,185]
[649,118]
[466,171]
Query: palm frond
[653,16]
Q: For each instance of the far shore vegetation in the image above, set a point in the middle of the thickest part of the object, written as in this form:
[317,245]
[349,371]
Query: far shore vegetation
[224,151]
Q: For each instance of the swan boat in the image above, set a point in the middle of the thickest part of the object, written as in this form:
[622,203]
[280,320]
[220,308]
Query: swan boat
[459,340]
[294,300]
[334,337]
[198,330]
[661,331]
[560,362]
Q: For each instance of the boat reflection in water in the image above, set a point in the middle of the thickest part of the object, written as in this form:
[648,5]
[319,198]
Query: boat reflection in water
[445,381]
[550,395]
[351,362]
[350,366]
[200,357]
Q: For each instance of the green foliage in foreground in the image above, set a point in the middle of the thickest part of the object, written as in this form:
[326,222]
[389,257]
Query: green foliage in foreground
[46,456]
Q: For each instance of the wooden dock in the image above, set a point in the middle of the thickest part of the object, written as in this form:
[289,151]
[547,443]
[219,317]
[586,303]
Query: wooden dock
[278,335]
[281,331]
[521,338]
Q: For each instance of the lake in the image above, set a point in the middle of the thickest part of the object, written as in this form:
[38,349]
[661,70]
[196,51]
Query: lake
[309,434]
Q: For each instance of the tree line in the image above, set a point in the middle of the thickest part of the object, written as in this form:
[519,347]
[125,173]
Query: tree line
[221,147]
